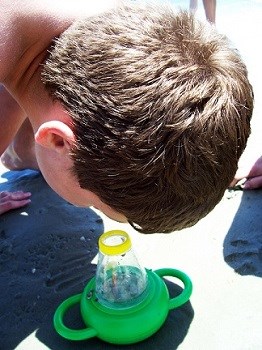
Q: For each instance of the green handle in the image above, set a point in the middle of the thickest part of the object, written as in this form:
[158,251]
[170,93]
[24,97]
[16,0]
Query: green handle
[185,295]
[72,334]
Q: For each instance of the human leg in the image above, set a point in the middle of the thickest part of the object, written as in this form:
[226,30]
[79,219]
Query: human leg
[210,10]
[11,118]
[193,6]
[20,154]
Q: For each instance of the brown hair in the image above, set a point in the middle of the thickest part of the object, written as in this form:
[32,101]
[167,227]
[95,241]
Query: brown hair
[161,106]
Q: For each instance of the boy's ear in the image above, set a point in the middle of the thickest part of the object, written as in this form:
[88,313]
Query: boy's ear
[55,135]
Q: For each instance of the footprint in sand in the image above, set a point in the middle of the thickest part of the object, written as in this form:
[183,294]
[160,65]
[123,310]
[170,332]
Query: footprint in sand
[245,256]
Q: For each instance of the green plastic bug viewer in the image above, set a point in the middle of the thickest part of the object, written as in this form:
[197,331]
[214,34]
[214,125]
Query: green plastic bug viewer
[124,303]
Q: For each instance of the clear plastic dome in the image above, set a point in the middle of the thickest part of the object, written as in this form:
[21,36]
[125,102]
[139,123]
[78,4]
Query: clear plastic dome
[120,280]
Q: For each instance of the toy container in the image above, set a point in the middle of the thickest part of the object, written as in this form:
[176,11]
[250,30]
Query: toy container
[123,303]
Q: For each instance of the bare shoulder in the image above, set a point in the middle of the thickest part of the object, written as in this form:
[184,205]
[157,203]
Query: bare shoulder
[28,27]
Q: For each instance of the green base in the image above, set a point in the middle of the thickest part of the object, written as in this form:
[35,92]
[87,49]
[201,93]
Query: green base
[124,325]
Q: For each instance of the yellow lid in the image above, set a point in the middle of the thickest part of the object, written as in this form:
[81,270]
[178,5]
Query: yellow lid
[115,242]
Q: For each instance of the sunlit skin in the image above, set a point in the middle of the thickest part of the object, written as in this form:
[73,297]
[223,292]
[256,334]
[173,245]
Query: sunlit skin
[251,174]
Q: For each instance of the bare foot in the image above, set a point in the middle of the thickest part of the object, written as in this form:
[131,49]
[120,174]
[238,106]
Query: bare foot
[251,178]
[20,154]
[13,200]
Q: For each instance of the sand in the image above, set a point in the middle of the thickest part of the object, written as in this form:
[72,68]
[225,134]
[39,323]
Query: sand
[48,250]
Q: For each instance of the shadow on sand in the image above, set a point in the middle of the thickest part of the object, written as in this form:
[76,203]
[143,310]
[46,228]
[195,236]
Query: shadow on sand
[243,242]
[46,251]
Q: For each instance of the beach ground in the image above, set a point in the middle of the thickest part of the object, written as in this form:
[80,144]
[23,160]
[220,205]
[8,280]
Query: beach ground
[48,249]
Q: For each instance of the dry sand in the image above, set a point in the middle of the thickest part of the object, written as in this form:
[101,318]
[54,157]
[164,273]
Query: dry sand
[47,251]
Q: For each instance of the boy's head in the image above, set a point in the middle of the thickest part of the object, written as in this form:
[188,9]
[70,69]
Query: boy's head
[161,108]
